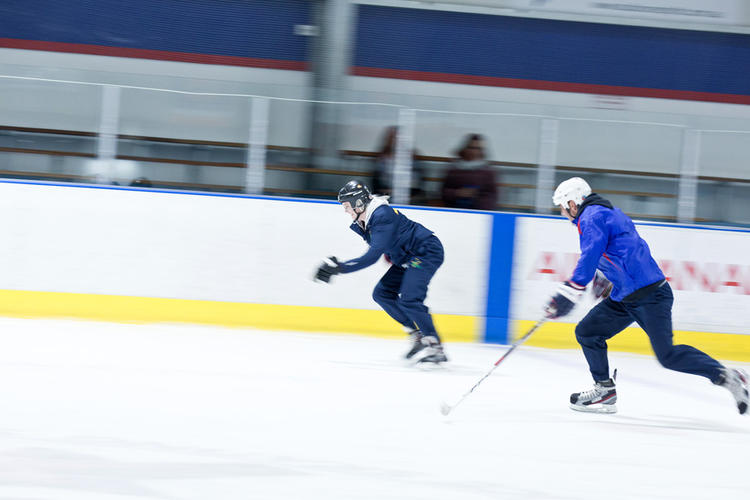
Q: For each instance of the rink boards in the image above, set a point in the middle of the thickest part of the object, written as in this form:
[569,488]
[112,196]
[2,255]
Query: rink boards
[123,254]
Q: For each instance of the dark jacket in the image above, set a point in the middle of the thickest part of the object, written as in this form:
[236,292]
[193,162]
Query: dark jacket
[610,242]
[480,177]
[389,232]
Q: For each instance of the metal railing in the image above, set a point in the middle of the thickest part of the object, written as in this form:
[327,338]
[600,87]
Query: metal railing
[269,159]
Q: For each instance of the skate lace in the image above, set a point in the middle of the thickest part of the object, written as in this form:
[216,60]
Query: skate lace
[590,394]
[596,392]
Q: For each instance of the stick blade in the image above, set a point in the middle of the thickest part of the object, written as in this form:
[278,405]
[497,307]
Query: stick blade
[445,408]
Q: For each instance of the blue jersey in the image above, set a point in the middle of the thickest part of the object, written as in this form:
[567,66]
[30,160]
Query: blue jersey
[388,232]
[610,242]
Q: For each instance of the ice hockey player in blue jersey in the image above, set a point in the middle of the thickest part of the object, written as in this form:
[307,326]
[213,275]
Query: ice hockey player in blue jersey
[637,291]
[414,252]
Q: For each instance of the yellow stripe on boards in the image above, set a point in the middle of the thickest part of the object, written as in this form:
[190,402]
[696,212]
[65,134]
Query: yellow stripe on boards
[562,336]
[452,328]
[29,304]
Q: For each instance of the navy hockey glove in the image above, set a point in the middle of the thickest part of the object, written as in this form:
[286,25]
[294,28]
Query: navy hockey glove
[567,296]
[601,287]
[328,268]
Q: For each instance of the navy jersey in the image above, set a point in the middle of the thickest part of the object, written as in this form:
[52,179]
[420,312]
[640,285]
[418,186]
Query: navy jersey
[389,232]
[610,242]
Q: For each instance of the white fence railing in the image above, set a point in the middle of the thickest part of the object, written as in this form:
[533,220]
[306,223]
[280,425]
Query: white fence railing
[620,144]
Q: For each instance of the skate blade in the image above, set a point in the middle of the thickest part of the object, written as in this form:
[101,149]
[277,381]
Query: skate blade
[409,356]
[430,367]
[430,364]
[420,364]
[426,365]
[420,357]
[595,408]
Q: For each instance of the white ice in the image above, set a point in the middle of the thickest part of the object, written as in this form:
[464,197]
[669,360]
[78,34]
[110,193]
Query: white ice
[111,411]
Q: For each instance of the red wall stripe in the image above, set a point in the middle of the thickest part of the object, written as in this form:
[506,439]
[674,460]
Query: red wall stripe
[162,55]
[584,88]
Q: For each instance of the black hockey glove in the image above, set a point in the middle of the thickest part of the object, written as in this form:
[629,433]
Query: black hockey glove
[567,296]
[601,287]
[328,268]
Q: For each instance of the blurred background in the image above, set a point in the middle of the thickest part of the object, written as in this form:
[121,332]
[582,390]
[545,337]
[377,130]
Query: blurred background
[473,104]
[168,173]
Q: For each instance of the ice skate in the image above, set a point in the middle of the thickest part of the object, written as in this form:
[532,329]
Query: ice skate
[415,337]
[600,399]
[736,381]
[431,351]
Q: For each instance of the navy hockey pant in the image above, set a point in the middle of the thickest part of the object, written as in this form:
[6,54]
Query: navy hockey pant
[653,313]
[402,290]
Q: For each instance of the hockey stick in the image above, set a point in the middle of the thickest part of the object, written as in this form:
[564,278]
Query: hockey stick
[445,408]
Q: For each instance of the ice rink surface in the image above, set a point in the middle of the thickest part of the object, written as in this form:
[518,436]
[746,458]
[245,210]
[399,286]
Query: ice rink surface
[115,412]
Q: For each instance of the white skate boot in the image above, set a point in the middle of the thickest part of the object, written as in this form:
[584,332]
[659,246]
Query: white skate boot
[600,399]
[736,381]
[431,351]
[415,336]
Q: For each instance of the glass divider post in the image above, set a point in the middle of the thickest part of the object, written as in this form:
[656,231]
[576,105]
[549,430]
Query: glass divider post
[108,130]
[545,177]
[403,164]
[256,152]
[689,167]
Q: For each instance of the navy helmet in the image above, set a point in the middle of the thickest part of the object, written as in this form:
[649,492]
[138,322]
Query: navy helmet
[355,193]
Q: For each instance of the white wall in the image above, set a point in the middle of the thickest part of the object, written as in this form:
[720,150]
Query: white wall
[56,105]
[717,15]
[219,248]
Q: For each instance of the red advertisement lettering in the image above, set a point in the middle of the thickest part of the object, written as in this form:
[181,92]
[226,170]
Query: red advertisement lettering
[692,276]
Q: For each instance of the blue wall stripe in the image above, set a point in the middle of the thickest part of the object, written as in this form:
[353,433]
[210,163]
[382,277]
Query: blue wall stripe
[499,279]
[239,28]
[549,50]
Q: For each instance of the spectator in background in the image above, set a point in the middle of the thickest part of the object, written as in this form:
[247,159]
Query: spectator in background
[382,180]
[470,181]
[141,182]
[101,179]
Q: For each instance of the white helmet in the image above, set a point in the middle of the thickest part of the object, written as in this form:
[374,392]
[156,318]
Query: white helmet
[575,189]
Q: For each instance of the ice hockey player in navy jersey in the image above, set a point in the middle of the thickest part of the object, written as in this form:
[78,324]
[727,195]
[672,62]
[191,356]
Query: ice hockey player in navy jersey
[414,252]
[633,288]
